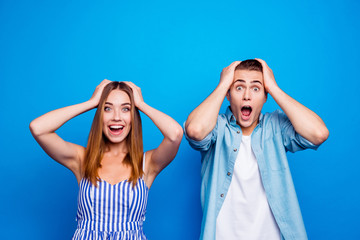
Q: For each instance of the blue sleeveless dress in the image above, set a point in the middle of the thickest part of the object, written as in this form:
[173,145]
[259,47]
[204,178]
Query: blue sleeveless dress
[111,212]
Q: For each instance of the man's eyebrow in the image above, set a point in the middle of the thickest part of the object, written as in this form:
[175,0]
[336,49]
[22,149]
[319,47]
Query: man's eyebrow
[239,80]
[257,81]
[253,81]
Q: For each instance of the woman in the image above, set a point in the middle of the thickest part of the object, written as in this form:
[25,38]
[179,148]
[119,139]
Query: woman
[113,173]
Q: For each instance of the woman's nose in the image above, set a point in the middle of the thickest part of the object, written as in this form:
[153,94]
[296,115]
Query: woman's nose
[117,115]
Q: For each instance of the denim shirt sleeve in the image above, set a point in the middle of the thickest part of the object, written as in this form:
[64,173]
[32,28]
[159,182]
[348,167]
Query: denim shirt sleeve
[292,140]
[204,144]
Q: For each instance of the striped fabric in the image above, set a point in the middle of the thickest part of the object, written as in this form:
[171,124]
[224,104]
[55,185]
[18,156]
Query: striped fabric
[111,212]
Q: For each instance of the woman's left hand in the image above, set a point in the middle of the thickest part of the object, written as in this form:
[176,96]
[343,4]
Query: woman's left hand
[138,98]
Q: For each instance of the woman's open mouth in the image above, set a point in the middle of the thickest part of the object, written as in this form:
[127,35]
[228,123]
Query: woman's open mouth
[116,129]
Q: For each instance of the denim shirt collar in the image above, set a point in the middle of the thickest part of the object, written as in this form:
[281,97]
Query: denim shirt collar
[232,120]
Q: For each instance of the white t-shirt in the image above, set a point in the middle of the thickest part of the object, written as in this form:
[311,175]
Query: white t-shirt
[245,213]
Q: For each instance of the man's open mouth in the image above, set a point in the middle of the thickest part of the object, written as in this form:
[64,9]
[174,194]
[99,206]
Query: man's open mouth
[246,111]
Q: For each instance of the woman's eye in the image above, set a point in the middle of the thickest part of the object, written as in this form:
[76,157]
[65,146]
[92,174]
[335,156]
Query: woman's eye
[126,109]
[107,109]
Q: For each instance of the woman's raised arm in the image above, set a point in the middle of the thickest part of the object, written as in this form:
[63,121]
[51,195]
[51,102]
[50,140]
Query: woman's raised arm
[43,129]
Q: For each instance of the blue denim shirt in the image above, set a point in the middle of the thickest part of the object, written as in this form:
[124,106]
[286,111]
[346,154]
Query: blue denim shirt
[273,136]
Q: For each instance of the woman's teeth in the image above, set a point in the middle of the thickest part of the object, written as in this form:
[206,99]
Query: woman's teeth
[116,127]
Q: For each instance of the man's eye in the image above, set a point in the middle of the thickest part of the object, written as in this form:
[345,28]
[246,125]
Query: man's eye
[256,89]
[239,88]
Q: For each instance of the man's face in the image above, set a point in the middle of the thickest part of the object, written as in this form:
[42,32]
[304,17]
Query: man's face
[247,97]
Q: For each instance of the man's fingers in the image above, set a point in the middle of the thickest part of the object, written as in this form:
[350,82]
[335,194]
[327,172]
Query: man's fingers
[262,62]
[234,64]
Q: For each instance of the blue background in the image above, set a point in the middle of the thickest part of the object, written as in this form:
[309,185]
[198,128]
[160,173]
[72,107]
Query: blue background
[54,53]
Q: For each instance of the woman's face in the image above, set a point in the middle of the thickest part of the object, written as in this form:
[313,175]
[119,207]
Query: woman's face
[117,116]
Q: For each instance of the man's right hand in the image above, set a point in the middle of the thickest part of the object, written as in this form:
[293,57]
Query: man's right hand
[202,119]
[227,74]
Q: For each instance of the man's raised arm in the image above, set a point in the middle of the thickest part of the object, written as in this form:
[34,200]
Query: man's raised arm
[202,119]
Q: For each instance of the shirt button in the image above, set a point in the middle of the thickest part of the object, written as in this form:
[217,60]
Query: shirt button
[228,173]
[238,132]
[222,195]
[235,149]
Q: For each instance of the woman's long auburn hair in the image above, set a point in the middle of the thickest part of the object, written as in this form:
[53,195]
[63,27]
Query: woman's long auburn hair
[97,141]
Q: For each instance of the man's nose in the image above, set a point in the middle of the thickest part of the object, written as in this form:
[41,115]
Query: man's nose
[247,94]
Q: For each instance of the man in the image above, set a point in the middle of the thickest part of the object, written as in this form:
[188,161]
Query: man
[247,190]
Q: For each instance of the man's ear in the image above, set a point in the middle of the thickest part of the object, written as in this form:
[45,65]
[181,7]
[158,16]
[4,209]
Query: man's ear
[266,97]
[228,95]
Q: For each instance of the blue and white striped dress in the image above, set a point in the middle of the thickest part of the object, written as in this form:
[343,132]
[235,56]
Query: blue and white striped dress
[111,212]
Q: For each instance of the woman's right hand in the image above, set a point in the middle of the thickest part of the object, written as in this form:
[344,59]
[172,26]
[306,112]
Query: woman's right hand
[66,153]
[95,98]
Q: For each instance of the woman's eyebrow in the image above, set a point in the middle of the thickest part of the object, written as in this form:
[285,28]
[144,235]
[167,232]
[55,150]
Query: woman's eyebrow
[109,103]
